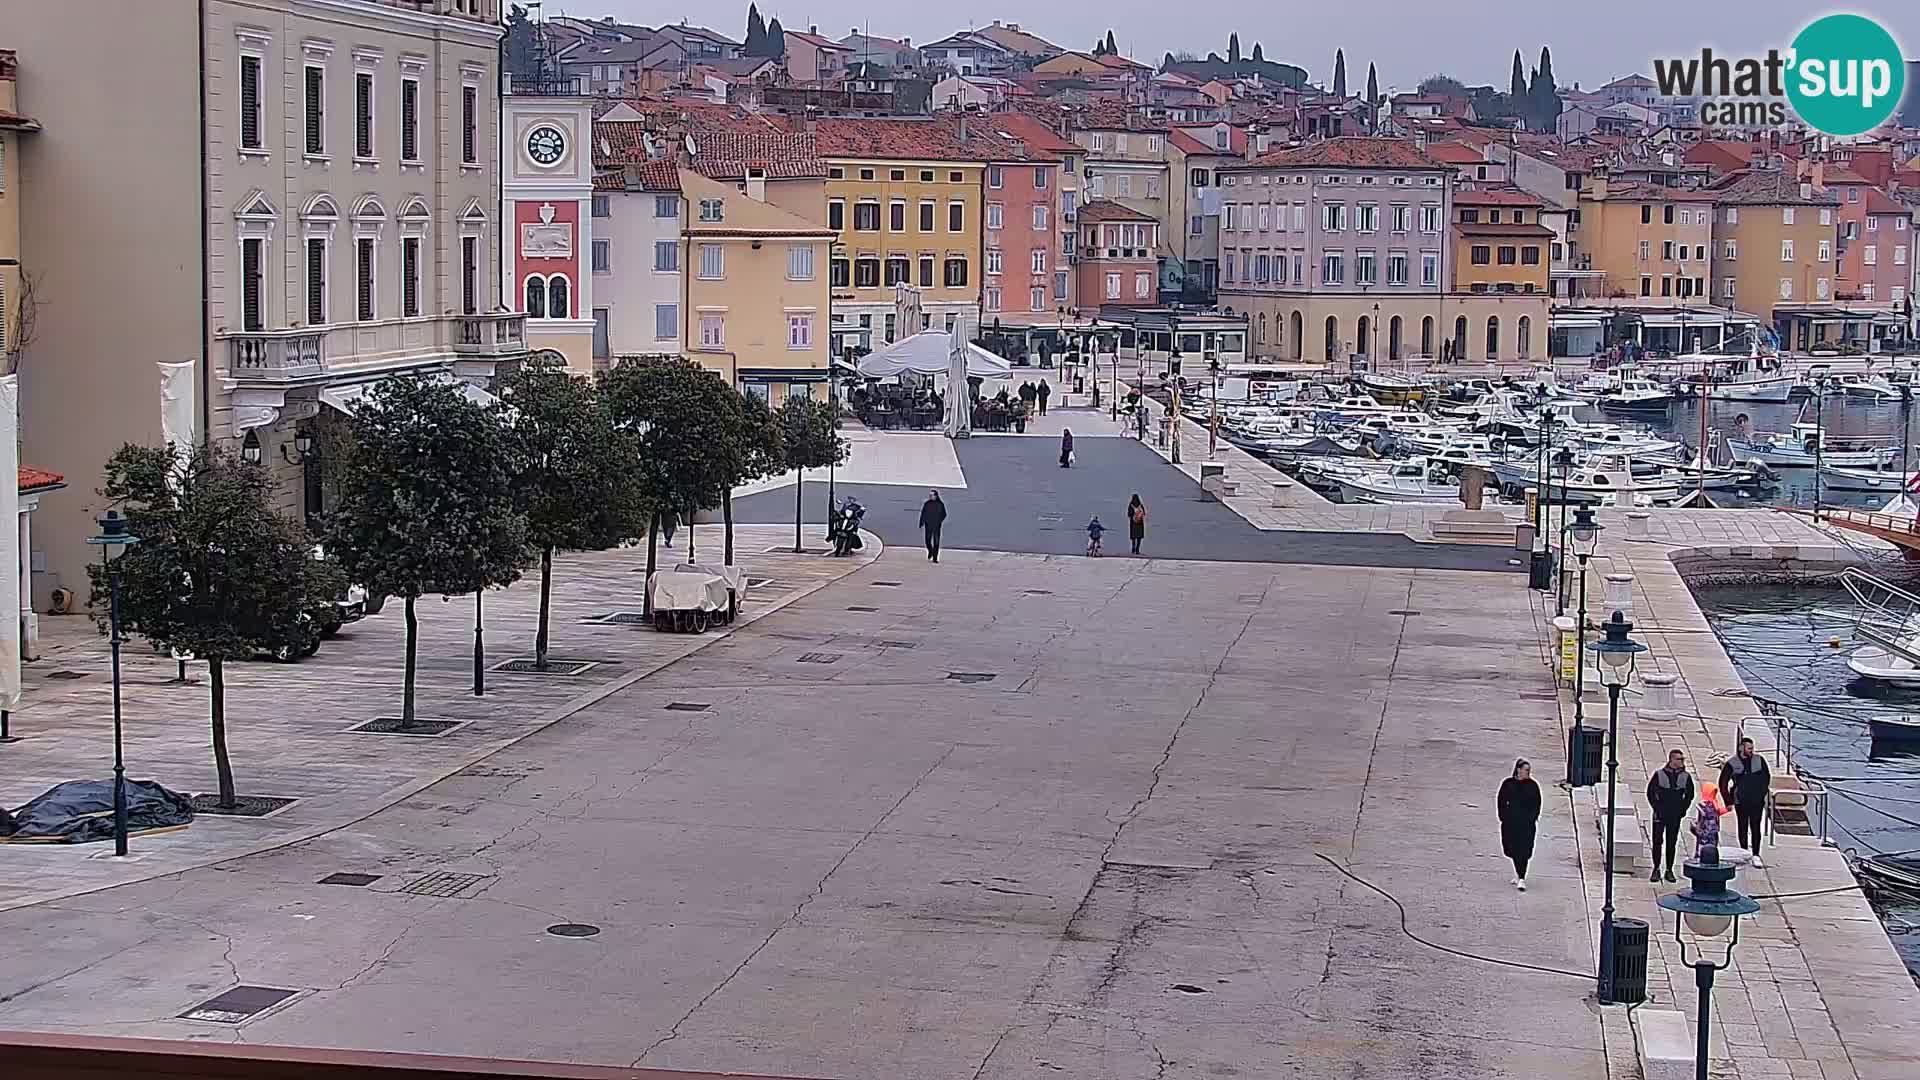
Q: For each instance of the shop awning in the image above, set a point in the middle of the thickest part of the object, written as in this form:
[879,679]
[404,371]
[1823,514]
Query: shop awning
[1574,322]
[347,398]
[1703,318]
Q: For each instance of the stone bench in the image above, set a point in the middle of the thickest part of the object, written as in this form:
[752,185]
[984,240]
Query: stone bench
[1664,1044]
[1475,527]
[1630,839]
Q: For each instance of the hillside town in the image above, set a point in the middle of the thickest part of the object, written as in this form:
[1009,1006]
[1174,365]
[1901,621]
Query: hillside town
[549,547]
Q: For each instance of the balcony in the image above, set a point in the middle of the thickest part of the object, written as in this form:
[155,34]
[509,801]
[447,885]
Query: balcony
[499,334]
[277,357]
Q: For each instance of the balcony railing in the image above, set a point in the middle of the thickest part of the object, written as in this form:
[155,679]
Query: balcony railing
[502,333]
[277,356]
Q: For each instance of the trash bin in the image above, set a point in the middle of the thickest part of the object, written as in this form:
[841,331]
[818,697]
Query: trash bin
[1583,760]
[1540,572]
[1629,961]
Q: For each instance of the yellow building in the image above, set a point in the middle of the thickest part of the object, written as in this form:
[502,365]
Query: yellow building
[904,199]
[757,298]
[1650,242]
[12,126]
[1499,244]
[1773,252]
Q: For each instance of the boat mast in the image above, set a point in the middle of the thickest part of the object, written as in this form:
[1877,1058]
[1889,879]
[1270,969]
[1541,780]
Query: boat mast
[1706,392]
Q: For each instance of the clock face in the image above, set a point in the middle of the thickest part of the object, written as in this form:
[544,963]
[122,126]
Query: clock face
[546,144]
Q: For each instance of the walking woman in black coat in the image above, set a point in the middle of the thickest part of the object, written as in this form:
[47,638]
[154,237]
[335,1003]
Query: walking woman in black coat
[1519,805]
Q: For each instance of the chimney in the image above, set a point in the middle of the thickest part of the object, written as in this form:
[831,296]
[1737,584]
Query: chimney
[756,184]
[964,109]
[814,30]
[907,41]
[1256,134]
[813,119]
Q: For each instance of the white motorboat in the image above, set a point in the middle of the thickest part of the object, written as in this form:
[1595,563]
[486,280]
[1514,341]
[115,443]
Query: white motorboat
[1840,478]
[1392,389]
[1637,395]
[1418,480]
[1590,482]
[1591,386]
[1805,446]
[1479,445]
[1867,385]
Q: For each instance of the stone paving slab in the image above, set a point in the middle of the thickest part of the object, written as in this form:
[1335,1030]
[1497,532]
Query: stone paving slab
[287,723]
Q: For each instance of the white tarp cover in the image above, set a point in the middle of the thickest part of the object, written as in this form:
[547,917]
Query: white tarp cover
[685,588]
[929,352]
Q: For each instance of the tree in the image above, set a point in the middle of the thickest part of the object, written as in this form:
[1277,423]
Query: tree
[1517,83]
[1543,98]
[1442,86]
[427,499]
[1339,73]
[810,437]
[1112,49]
[776,46]
[1233,48]
[1373,94]
[1257,58]
[756,42]
[1166,62]
[217,572]
[763,453]
[523,44]
[576,483]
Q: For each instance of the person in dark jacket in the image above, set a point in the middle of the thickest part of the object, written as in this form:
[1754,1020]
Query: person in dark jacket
[1136,521]
[1046,391]
[1745,781]
[1670,794]
[933,514]
[1519,806]
[1066,449]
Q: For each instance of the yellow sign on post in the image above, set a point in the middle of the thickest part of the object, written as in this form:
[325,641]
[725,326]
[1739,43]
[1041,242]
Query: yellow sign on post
[1569,648]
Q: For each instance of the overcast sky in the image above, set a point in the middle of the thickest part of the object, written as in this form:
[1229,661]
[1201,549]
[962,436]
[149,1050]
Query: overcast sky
[1409,39]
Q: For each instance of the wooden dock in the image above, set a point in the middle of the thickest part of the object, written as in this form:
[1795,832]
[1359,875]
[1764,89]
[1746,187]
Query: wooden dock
[1900,531]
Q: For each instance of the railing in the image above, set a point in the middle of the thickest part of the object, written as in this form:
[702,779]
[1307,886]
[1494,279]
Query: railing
[277,356]
[501,333]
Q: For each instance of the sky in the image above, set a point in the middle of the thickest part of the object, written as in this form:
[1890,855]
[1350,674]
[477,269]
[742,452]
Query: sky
[1473,40]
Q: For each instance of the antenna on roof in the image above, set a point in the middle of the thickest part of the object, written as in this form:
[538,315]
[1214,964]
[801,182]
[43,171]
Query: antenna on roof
[693,148]
[606,149]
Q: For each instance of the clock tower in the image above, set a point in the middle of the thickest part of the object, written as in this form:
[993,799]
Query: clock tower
[546,172]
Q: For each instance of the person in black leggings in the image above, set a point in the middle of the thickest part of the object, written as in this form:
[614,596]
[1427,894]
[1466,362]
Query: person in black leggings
[1670,794]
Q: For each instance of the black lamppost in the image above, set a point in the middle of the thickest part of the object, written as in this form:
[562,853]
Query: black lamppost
[1709,908]
[1586,537]
[1819,438]
[1173,399]
[1616,653]
[114,534]
[1564,459]
[480,643]
[1213,427]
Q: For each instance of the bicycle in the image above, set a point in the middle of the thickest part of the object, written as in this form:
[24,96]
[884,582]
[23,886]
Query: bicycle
[1093,547]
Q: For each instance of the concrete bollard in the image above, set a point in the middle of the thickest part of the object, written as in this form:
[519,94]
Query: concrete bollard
[1280,489]
[1619,597]
[1656,702]
[1637,524]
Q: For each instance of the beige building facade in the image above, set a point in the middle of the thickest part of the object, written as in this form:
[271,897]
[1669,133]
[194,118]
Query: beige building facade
[331,221]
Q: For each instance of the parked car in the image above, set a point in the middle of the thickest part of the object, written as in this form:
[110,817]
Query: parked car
[301,636]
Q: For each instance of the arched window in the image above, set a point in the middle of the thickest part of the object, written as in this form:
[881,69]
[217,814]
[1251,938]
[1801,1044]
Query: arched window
[1360,342]
[1393,338]
[1460,338]
[536,297]
[1333,338]
[1493,337]
[1426,336]
[557,298]
[1299,347]
[1525,339]
[1261,334]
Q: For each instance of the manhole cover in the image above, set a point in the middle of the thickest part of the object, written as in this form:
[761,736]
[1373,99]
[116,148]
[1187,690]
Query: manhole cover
[688,706]
[1404,611]
[787,549]
[244,805]
[443,883]
[1039,592]
[623,618]
[885,584]
[238,1004]
[898,644]
[819,658]
[573,929]
[1189,988]
[527,665]
[394,725]
[358,881]
[861,607]
[66,674]
[970,676]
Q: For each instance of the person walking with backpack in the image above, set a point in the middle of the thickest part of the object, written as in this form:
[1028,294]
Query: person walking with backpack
[1670,794]
[1519,808]
[1745,780]
[1136,522]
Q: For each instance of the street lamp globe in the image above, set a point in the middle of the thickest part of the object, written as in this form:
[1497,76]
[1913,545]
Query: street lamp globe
[1616,651]
[1586,532]
[1708,906]
[303,441]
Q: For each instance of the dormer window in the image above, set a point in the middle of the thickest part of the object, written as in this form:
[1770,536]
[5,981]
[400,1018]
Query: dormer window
[711,210]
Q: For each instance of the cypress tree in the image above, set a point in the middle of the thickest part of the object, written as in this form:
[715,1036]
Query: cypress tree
[1373,86]
[1257,58]
[1517,88]
[1339,73]
[776,46]
[1544,96]
[756,32]
[1112,49]
[1233,48]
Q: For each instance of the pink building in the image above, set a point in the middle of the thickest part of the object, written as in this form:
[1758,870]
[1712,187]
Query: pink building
[1874,253]
[1026,277]
[1118,261]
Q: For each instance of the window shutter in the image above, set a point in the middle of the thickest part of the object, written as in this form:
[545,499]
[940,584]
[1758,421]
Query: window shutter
[363,272]
[316,111]
[410,120]
[250,285]
[469,273]
[250,102]
[469,111]
[316,282]
[363,115]
[410,276]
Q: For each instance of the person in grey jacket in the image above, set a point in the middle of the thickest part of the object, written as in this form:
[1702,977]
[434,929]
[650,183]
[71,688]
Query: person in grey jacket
[1745,780]
[1670,794]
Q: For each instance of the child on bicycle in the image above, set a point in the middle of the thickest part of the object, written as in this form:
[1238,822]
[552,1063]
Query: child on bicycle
[1094,530]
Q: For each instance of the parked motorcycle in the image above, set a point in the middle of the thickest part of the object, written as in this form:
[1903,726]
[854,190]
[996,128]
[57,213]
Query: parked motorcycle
[845,530]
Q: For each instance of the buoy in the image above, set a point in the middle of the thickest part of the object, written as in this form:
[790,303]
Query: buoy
[1833,643]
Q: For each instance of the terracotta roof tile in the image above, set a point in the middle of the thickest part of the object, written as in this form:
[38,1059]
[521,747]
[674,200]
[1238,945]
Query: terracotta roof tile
[1879,202]
[1199,140]
[36,479]
[1840,174]
[1034,132]
[1495,197]
[1767,187]
[1634,191]
[1351,151]
[1108,210]
[1453,153]
[15,120]
[901,140]
[727,155]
